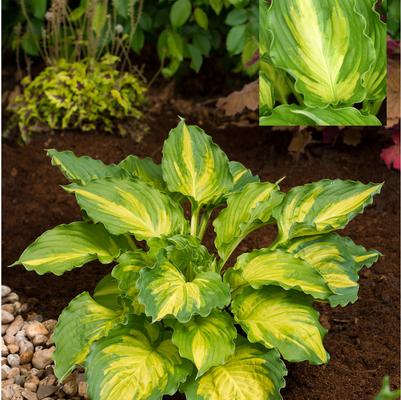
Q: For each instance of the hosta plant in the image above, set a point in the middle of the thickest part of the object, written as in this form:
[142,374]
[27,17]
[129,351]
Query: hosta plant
[173,315]
[84,95]
[323,62]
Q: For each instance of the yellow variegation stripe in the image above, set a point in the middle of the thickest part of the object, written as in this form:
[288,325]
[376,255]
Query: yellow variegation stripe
[130,206]
[207,342]
[322,207]
[338,260]
[241,175]
[195,166]
[164,291]
[246,211]
[128,365]
[322,44]
[69,246]
[276,267]
[284,320]
[80,324]
[251,373]
[107,293]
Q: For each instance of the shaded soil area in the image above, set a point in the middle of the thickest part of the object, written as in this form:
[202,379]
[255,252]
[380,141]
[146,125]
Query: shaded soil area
[363,339]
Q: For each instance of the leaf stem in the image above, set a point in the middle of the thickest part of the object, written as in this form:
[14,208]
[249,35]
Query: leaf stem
[195,219]
[204,223]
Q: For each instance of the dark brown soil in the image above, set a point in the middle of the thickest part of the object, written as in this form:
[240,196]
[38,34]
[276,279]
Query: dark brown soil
[363,339]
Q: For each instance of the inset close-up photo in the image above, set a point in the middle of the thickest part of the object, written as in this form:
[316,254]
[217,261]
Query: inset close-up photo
[323,62]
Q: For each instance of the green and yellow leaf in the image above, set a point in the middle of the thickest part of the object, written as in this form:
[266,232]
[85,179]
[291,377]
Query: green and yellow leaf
[276,267]
[107,293]
[207,342]
[284,320]
[165,290]
[195,166]
[130,206]
[132,363]
[70,246]
[145,169]
[338,259]
[322,207]
[246,211]
[241,175]
[80,324]
[126,272]
[83,169]
[323,45]
[251,373]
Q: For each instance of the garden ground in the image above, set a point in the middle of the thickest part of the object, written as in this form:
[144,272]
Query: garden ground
[363,339]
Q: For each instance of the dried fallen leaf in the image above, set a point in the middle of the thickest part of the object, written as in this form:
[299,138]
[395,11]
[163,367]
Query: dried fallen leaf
[352,137]
[393,92]
[236,102]
[299,141]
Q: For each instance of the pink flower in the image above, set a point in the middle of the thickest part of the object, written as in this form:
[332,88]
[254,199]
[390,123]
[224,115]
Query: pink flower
[391,155]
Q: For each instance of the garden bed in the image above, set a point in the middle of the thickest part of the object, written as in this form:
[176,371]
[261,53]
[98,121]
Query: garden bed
[364,338]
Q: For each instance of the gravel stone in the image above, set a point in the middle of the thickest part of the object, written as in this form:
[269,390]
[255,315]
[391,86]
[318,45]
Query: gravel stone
[13,360]
[15,326]
[6,317]
[39,340]
[13,348]
[28,395]
[5,290]
[35,328]
[41,358]
[31,383]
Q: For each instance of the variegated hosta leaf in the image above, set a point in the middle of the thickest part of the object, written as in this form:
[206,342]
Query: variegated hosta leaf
[338,259]
[207,342]
[266,94]
[131,364]
[83,169]
[80,324]
[107,293]
[246,211]
[252,373]
[322,44]
[126,272]
[294,115]
[321,207]
[130,206]
[70,246]
[164,290]
[282,319]
[276,267]
[376,78]
[145,169]
[241,175]
[195,166]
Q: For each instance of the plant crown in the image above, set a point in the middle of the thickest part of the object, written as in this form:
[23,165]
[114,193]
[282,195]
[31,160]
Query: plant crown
[171,315]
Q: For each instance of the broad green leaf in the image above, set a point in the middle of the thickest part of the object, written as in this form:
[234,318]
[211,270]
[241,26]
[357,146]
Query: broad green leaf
[284,320]
[196,57]
[241,175]
[236,39]
[83,169]
[164,290]
[122,7]
[131,364]
[126,272]
[322,44]
[70,246]
[201,18]
[207,342]
[294,115]
[322,207]
[237,16]
[107,293]
[195,166]
[246,211]
[39,8]
[376,78]
[217,5]
[175,45]
[180,12]
[251,373]
[276,267]
[99,17]
[80,324]
[338,259]
[130,206]
[145,169]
